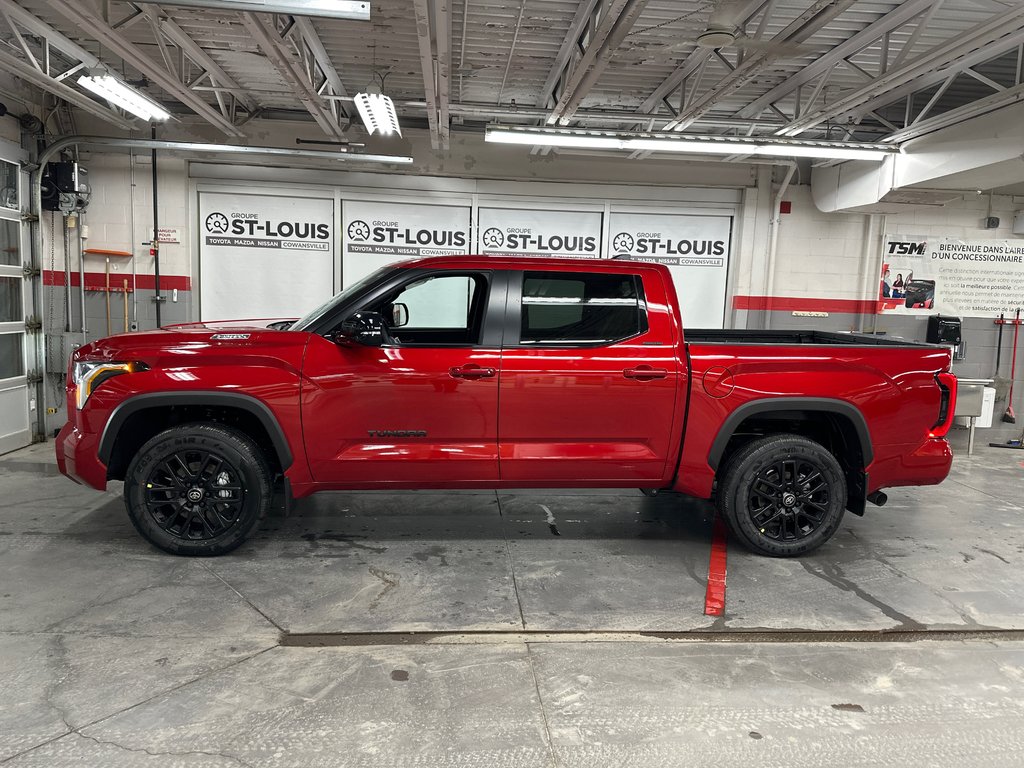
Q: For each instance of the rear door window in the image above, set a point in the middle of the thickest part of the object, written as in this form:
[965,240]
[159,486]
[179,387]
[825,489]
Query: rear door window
[581,308]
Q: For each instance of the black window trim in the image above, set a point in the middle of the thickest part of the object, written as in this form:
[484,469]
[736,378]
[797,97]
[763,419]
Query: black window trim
[513,317]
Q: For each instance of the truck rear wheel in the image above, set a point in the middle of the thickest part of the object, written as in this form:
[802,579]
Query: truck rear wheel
[197,489]
[782,495]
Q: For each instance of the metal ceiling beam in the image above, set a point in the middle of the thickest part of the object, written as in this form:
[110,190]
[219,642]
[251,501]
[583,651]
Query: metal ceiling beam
[170,29]
[443,47]
[511,50]
[611,31]
[286,62]
[423,38]
[893,20]
[572,36]
[323,60]
[697,58]
[79,14]
[1010,96]
[30,74]
[433,33]
[985,41]
[483,111]
[57,39]
[821,13]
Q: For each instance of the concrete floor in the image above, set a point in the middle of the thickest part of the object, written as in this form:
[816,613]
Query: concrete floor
[513,629]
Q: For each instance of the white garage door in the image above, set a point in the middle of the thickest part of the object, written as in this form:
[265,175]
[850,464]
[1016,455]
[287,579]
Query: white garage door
[14,409]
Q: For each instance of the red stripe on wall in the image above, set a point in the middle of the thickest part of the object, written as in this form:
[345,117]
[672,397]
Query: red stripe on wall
[799,304]
[97,281]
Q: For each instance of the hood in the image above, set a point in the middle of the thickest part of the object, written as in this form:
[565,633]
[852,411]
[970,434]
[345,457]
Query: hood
[187,342]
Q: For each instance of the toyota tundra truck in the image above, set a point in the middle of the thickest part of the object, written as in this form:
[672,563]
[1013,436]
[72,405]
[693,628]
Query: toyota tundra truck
[485,372]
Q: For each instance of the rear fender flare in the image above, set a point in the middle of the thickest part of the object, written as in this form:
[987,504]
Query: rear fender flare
[778,404]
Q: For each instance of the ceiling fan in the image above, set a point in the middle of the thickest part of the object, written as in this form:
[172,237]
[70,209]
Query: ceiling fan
[723,30]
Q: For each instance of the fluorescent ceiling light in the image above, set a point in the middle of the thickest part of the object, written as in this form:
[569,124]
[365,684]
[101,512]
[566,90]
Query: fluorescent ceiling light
[823,153]
[693,147]
[358,10]
[378,112]
[115,91]
[668,142]
[568,139]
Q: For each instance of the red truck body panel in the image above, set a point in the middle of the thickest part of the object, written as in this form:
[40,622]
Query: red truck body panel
[642,412]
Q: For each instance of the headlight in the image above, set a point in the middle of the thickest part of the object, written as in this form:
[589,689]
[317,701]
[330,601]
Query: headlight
[88,376]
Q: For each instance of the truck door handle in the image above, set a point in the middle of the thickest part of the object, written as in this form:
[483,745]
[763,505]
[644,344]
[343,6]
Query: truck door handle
[645,373]
[471,371]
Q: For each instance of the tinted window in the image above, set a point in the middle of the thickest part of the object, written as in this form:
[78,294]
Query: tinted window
[581,308]
[436,310]
[438,301]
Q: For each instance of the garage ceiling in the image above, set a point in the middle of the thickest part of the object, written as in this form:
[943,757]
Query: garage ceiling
[837,69]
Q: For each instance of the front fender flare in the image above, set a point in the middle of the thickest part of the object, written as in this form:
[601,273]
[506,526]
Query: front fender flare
[247,403]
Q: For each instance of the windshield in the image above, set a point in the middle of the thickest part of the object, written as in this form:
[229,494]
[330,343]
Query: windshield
[312,317]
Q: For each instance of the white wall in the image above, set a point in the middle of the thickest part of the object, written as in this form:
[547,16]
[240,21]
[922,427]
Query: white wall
[824,255]
[819,254]
[114,201]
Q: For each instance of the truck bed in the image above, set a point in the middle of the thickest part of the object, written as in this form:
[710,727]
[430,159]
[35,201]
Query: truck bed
[789,338]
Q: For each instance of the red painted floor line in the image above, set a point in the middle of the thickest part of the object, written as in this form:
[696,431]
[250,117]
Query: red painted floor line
[714,598]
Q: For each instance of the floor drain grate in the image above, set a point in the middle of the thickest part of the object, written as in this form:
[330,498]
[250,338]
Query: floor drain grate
[510,637]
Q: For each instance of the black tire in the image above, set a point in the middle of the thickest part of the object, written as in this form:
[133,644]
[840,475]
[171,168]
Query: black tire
[782,495]
[197,489]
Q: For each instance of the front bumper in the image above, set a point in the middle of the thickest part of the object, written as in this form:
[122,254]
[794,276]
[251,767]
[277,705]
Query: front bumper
[77,458]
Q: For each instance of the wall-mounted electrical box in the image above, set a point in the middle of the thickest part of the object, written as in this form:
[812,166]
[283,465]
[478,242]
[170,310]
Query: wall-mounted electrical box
[943,329]
[64,187]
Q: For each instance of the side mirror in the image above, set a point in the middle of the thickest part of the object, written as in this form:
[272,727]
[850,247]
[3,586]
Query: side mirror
[366,328]
[399,315]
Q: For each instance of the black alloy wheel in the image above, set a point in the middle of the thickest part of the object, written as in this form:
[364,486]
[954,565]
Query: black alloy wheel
[782,495]
[194,494]
[789,499]
[197,489]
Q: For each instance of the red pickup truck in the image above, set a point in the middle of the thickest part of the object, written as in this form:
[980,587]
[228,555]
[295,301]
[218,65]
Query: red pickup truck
[481,372]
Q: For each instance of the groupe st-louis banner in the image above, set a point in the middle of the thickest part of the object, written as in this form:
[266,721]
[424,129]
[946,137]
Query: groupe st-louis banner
[695,247]
[274,255]
[968,278]
[264,255]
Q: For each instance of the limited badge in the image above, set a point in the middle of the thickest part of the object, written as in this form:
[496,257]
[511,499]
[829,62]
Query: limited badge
[230,336]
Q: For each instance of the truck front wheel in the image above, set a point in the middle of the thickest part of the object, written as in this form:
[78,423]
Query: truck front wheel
[782,495]
[197,489]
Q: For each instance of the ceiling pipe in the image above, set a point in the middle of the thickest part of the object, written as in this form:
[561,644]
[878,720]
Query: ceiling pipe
[773,243]
[36,211]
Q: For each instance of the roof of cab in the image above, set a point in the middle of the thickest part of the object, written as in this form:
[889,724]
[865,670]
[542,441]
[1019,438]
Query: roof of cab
[523,262]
